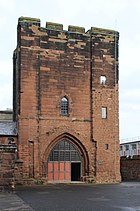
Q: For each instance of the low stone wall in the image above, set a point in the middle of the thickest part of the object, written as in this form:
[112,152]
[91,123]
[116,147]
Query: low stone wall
[18,172]
[130,168]
[7,165]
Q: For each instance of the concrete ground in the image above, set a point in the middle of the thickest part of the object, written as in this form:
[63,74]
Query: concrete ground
[73,197]
[12,202]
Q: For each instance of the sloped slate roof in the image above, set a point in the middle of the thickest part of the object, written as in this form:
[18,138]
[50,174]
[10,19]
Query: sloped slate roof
[8,129]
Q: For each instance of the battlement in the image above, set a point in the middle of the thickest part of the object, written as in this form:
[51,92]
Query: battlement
[28,19]
[76,29]
[103,31]
[55,26]
[71,28]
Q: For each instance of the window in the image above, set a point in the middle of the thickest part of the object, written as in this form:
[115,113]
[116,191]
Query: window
[104,113]
[134,146]
[127,147]
[64,106]
[64,151]
[106,146]
[102,79]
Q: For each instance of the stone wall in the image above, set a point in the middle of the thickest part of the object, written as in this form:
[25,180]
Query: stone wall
[130,168]
[6,115]
[7,165]
[18,172]
[51,63]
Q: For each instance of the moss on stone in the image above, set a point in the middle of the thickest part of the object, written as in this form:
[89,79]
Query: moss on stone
[104,31]
[28,19]
[56,26]
[76,29]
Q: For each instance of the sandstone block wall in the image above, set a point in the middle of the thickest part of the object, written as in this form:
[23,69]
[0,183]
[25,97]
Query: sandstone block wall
[7,164]
[50,63]
[130,168]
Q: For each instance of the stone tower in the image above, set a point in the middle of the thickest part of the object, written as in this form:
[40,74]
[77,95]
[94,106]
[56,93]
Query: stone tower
[66,102]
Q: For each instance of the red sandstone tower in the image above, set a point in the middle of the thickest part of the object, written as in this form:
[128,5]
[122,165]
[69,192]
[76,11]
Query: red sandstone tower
[66,102]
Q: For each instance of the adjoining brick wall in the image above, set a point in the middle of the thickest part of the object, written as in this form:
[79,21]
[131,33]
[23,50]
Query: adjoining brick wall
[7,164]
[130,168]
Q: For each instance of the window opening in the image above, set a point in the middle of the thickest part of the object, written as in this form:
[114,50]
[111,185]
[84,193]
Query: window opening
[64,151]
[64,106]
[102,79]
[106,146]
[127,147]
[104,113]
[133,146]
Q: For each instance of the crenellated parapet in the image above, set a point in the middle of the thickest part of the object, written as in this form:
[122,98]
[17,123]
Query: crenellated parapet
[54,26]
[27,21]
[102,31]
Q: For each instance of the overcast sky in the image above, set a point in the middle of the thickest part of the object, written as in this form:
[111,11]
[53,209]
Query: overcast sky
[120,15]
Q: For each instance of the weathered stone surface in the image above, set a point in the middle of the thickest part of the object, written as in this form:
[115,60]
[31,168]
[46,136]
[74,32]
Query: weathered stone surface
[76,29]
[55,26]
[130,168]
[7,163]
[51,64]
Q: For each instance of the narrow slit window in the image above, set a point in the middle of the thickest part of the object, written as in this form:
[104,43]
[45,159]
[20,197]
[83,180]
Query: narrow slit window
[106,146]
[103,79]
[104,113]
[64,106]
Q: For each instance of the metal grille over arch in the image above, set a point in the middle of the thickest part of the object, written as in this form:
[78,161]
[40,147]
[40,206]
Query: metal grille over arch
[64,162]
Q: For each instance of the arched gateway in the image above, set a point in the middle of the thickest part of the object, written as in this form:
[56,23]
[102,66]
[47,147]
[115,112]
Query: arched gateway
[66,162]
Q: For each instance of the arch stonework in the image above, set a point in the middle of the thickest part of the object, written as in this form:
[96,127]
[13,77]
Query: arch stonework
[81,148]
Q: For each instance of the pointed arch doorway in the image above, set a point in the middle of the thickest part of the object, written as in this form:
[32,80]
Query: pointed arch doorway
[64,162]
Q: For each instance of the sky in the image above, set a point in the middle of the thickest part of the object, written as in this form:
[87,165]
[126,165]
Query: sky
[120,15]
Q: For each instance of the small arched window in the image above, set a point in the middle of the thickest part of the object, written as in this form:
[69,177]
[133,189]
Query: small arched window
[64,106]
[103,80]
